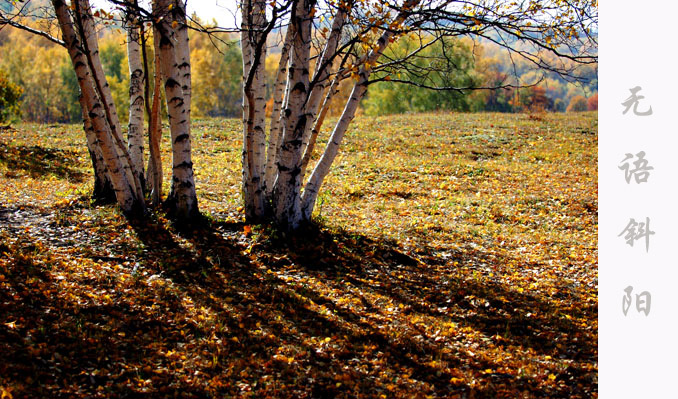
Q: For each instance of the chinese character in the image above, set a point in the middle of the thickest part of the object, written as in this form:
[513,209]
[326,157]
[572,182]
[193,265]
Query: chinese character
[643,301]
[641,171]
[633,100]
[644,304]
[626,301]
[635,231]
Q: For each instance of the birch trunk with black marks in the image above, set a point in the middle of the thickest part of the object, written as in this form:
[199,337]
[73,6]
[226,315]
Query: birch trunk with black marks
[181,200]
[103,192]
[124,191]
[183,51]
[287,188]
[85,23]
[322,75]
[254,108]
[322,168]
[137,83]
[277,116]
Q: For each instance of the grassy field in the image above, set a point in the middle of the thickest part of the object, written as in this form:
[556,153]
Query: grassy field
[455,257]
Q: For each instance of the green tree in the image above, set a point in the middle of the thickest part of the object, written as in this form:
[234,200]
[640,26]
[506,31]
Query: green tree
[455,70]
[70,93]
[217,73]
[41,82]
[10,98]
[113,55]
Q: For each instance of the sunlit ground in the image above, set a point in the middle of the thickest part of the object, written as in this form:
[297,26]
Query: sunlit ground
[455,258]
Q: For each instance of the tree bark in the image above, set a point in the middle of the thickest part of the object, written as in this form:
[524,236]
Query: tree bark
[182,199]
[85,22]
[321,170]
[183,52]
[276,114]
[103,191]
[154,170]
[286,191]
[254,108]
[124,191]
[321,75]
[318,123]
[137,82]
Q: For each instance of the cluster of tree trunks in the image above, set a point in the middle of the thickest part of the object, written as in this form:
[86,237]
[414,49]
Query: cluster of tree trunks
[275,158]
[284,195]
[118,163]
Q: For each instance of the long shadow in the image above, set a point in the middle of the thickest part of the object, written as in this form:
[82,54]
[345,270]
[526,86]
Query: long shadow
[220,314]
[521,320]
[262,305]
[497,309]
[41,162]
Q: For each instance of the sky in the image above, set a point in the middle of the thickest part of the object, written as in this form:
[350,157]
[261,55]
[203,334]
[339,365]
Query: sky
[221,10]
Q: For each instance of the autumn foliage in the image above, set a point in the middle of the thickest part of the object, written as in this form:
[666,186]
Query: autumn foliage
[577,104]
[10,98]
[592,103]
[465,267]
[217,75]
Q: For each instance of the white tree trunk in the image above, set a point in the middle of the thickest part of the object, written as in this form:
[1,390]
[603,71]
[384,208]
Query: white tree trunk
[317,125]
[286,191]
[103,190]
[137,81]
[183,52]
[254,108]
[321,75]
[124,191]
[321,170]
[85,21]
[276,114]
[311,190]
[182,198]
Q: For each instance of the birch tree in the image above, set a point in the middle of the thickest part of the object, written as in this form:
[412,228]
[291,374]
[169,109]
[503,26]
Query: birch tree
[97,120]
[117,163]
[253,44]
[169,17]
[137,83]
[353,46]
[143,98]
[103,188]
[84,21]
[182,200]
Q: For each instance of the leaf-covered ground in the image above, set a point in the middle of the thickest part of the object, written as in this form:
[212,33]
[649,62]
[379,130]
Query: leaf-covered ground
[456,258]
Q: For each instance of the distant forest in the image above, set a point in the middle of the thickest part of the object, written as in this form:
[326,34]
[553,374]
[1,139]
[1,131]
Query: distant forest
[49,90]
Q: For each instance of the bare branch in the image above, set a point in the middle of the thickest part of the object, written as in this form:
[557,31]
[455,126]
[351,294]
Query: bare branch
[4,21]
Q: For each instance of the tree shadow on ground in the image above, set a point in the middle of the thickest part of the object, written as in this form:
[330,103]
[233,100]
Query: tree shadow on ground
[40,162]
[221,311]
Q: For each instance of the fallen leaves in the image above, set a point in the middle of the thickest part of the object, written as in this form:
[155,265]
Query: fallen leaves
[453,261]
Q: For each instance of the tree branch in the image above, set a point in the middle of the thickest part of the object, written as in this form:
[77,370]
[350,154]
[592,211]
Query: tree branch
[4,21]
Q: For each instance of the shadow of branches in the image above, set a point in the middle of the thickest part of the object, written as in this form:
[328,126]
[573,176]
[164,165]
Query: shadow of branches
[224,312]
[41,162]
